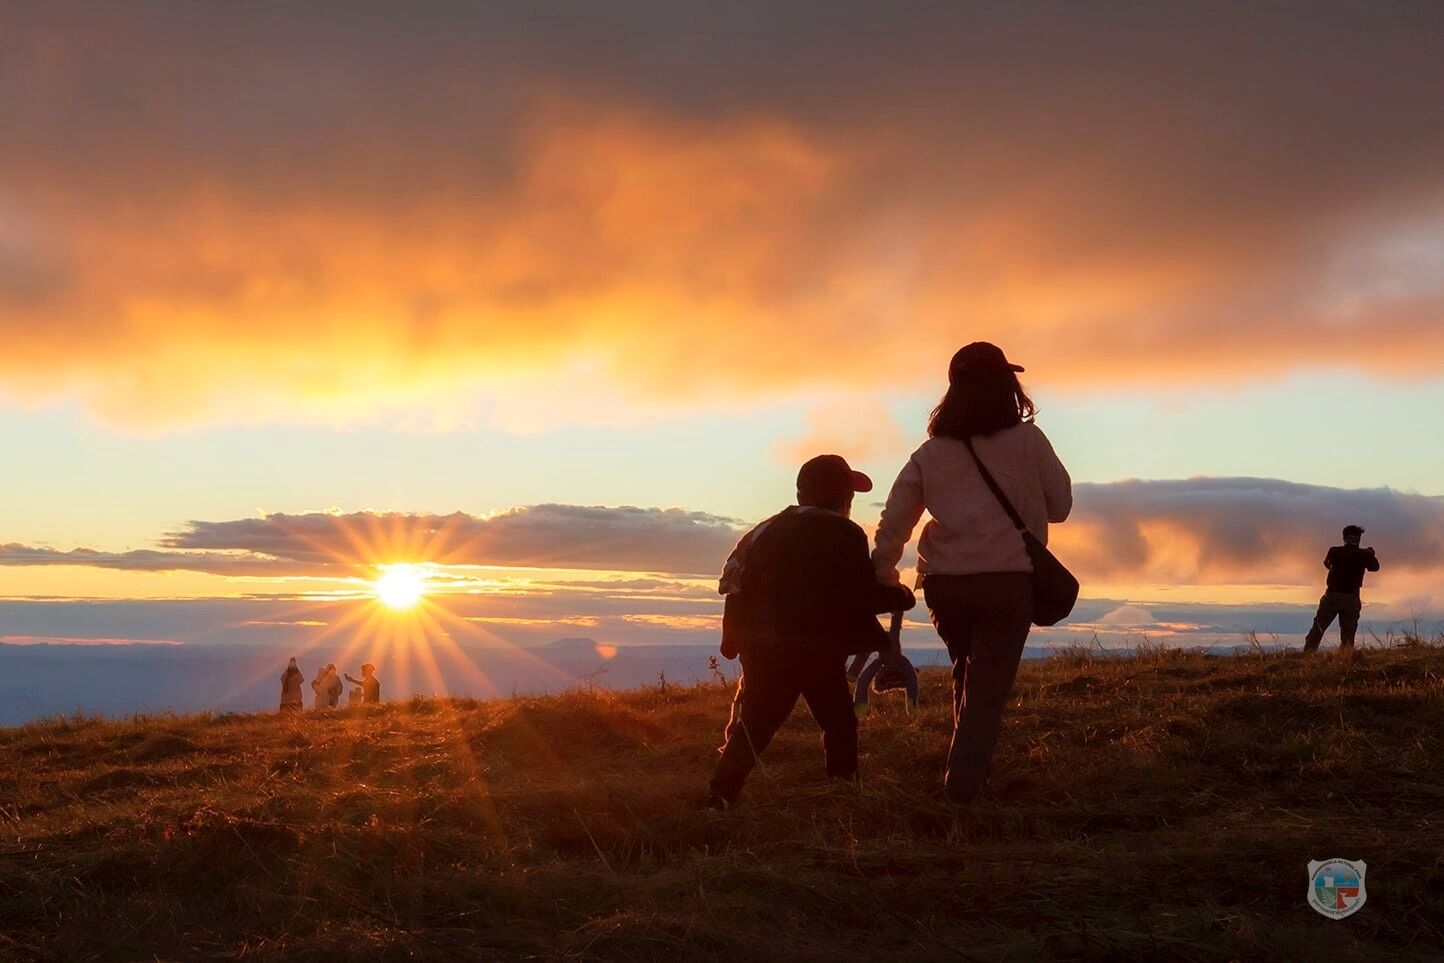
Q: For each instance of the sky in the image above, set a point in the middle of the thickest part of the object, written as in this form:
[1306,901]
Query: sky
[553,298]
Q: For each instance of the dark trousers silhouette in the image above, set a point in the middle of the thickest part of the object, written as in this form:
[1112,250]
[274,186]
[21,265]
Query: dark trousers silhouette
[1343,605]
[766,695]
[984,621]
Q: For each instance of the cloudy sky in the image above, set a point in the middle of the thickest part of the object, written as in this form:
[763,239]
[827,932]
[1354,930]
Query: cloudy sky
[554,297]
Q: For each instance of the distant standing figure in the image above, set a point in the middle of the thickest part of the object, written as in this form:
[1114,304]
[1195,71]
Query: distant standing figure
[370,685]
[1347,564]
[974,567]
[334,687]
[291,681]
[318,696]
[327,687]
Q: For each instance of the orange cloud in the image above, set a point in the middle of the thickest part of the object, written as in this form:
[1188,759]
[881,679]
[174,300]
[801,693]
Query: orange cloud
[624,254]
[505,214]
[859,429]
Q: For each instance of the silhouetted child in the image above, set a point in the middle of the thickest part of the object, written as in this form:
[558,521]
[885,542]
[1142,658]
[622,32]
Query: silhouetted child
[801,598]
[291,681]
[370,685]
[1347,564]
[354,697]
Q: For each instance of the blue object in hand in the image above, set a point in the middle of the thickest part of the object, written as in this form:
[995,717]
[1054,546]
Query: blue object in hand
[890,670]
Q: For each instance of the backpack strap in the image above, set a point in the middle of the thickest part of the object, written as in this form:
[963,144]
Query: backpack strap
[993,487]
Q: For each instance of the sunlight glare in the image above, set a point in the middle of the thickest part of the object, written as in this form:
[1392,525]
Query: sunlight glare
[400,586]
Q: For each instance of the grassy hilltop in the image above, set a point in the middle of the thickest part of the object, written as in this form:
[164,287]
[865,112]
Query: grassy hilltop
[1157,807]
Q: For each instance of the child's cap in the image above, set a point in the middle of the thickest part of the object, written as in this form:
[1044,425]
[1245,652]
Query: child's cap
[829,477]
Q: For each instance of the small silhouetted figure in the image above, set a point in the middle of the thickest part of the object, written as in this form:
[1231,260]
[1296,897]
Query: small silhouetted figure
[335,686]
[370,685]
[327,687]
[801,598]
[1347,564]
[291,681]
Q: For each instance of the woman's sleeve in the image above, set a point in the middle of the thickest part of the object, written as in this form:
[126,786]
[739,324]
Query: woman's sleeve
[1057,486]
[899,517]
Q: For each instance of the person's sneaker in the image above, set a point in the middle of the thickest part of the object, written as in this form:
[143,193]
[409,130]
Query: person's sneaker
[719,803]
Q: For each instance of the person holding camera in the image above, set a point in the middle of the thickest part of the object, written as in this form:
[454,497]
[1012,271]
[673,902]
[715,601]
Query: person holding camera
[1347,564]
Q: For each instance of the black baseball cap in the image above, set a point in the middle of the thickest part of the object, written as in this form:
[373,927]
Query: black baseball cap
[980,357]
[829,478]
[1352,530]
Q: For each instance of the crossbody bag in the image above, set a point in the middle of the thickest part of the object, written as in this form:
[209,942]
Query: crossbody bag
[1055,590]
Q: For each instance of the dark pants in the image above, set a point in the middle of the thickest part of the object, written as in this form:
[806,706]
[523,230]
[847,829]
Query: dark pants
[984,620]
[1343,605]
[766,695]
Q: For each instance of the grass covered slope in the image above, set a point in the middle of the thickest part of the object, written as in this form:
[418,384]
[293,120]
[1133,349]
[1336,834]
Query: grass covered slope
[1158,807]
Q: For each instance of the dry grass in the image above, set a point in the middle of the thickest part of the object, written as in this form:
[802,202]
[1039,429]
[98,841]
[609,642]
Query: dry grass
[1156,807]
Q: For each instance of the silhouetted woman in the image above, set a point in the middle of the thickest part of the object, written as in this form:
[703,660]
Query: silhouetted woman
[974,569]
[291,681]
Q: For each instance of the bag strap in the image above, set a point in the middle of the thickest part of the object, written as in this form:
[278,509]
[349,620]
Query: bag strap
[993,487]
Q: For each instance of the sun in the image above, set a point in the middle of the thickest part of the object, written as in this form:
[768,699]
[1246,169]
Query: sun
[400,586]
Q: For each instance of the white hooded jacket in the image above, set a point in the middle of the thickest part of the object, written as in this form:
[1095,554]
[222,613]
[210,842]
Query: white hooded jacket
[969,532]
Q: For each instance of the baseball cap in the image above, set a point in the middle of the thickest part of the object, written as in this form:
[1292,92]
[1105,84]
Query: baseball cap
[1352,530]
[978,358]
[828,477]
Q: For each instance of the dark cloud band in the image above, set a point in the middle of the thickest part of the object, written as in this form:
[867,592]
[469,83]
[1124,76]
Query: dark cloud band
[672,541]
[1242,529]
[1199,530]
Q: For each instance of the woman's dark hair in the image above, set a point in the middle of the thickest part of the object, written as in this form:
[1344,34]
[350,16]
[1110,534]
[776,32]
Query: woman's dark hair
[980,404]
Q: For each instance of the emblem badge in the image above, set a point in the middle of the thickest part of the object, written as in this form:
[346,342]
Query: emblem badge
[1336,886]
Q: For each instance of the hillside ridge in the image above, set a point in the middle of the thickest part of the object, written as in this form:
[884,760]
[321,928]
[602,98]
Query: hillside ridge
[1162,806]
